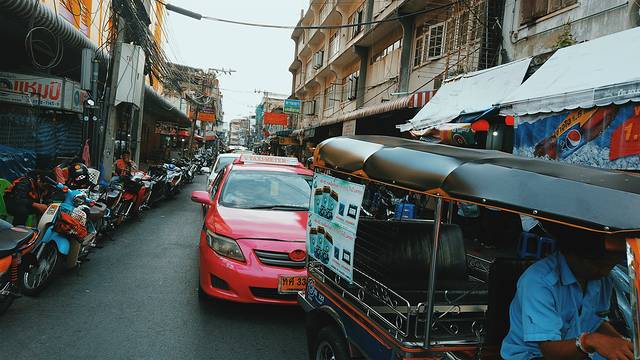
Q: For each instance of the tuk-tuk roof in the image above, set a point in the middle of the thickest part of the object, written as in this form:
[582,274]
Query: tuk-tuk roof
[599,199]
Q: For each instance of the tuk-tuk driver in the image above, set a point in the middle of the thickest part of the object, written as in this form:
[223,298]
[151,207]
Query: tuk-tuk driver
[562,301]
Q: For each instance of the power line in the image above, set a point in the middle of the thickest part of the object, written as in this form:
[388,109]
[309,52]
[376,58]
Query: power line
[198,16]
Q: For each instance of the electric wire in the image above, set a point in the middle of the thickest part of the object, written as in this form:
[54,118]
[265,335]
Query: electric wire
[289,27]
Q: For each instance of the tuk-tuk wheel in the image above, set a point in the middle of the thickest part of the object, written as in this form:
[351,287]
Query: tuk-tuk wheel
[330,345]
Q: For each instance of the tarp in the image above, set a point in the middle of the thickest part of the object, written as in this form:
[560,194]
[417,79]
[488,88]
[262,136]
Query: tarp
[470,93]
[15,162]
[599,72]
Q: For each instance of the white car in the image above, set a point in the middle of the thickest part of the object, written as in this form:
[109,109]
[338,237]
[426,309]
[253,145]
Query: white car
[222,161]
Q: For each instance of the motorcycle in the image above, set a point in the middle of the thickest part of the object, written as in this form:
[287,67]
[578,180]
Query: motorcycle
[16,244]
[133,195]
[157,184]
[174,179]
[66,235]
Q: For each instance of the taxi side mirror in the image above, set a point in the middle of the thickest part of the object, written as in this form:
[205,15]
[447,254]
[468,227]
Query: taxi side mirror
[201,197]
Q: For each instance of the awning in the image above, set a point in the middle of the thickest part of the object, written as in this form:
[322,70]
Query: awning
[599,72]
[469,93]
[297,133]
[412,101]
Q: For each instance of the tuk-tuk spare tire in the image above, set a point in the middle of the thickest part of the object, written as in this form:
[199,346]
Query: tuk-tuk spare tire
[329,338]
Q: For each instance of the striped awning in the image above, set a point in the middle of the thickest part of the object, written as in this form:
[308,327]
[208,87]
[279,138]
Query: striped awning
[413,101]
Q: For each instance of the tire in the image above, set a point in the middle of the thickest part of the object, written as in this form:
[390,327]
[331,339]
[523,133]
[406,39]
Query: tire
[330,345]
[5,300]
[48,265]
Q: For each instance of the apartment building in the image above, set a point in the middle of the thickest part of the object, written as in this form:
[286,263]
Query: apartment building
[372,64]
[538,27]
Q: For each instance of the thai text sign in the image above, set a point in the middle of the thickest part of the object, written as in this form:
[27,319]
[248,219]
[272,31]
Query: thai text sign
[275,119]
[292,106]
[47,92]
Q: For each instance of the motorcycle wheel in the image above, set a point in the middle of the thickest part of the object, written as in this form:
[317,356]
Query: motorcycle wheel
[37,278]
[5,300]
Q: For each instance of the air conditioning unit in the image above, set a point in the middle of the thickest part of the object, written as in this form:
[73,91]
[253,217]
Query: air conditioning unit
[309,107]
[318,59]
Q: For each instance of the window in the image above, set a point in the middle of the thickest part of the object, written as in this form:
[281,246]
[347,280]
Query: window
[429,43]
[531,10]
[436,40]
[386,51]
[356,19]
[331,96]
[334,44]
[417,58]
[350,87]
[309,70]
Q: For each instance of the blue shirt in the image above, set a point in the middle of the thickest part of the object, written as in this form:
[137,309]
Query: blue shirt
[550,305]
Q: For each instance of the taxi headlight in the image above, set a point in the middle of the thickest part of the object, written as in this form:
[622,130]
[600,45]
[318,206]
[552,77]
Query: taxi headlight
[224,246]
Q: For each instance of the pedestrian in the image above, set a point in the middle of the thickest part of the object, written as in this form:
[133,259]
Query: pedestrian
[24,197]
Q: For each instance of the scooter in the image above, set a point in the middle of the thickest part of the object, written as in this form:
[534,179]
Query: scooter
[16,244]
[174,179]
[66,235]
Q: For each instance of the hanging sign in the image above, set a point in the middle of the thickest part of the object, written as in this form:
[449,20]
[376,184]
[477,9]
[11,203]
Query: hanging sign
[275,119]
[292,106]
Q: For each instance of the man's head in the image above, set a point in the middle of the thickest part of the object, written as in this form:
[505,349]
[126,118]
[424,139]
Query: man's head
[590,255]
[125,155]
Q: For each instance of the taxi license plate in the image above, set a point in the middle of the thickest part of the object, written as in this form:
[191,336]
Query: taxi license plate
[291,284]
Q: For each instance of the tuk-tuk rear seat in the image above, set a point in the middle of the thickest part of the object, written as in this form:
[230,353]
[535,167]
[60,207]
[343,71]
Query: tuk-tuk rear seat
[398,252]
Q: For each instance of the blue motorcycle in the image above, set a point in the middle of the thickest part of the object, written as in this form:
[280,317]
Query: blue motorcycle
[67,232]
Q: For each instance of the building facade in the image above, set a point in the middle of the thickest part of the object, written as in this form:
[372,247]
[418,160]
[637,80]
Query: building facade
[60,132]
[383,60]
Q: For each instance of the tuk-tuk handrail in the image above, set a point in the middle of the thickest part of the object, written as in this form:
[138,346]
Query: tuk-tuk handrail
[487,203]
[596,199]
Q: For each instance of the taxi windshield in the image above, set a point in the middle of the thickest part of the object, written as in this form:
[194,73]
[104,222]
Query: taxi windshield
[266,190]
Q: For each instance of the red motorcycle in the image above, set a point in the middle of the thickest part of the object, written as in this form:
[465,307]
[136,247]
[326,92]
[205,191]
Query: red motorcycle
[133,196]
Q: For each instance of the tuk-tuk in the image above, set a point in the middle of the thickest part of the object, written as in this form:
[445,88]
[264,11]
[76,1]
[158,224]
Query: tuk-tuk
[424,281]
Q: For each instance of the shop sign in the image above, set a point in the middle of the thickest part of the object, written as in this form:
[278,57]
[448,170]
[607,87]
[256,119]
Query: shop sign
[349,128]
[275,119]
[292,106]
[166,129]
[605,137]
[334,210]
[50,92]
[284,140]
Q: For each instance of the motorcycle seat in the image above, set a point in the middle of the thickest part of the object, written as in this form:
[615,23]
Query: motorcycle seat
[13,238]
[96,212]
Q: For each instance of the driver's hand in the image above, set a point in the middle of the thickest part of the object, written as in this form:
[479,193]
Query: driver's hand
[612,348]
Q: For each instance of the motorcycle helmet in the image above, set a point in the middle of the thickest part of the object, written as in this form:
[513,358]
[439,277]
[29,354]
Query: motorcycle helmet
[78,176]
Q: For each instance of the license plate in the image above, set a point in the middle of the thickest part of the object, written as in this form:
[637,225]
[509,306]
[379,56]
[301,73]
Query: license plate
[291,284]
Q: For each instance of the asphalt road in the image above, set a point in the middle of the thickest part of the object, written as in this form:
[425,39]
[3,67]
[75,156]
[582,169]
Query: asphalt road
[136,299]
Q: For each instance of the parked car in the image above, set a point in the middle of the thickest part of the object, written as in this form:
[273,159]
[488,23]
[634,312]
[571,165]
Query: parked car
[252,247]
[222,161]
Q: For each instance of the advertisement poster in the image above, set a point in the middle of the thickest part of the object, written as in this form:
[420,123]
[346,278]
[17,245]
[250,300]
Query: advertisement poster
[605,137]
[334,211]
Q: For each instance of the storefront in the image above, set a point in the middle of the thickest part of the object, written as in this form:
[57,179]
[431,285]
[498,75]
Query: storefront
[464,111]
[41,117]
[562,114]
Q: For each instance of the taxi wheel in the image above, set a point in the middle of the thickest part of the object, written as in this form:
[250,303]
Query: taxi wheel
[330,345]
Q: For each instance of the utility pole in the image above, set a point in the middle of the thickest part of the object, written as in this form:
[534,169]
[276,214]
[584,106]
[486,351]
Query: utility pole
[111,122]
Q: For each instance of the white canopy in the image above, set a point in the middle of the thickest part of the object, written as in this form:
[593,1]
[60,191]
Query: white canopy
[469,93]
[599,72]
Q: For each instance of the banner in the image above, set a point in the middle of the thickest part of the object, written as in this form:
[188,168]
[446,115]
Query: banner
[605,137]
[292,106]
[275,119]
[334,210]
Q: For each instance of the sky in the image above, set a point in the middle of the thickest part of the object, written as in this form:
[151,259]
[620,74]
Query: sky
[261,57]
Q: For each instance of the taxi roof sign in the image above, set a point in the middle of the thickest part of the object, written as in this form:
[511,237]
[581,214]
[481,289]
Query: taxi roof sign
[267,159]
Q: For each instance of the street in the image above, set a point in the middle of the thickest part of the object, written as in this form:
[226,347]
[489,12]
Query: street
[137,299]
